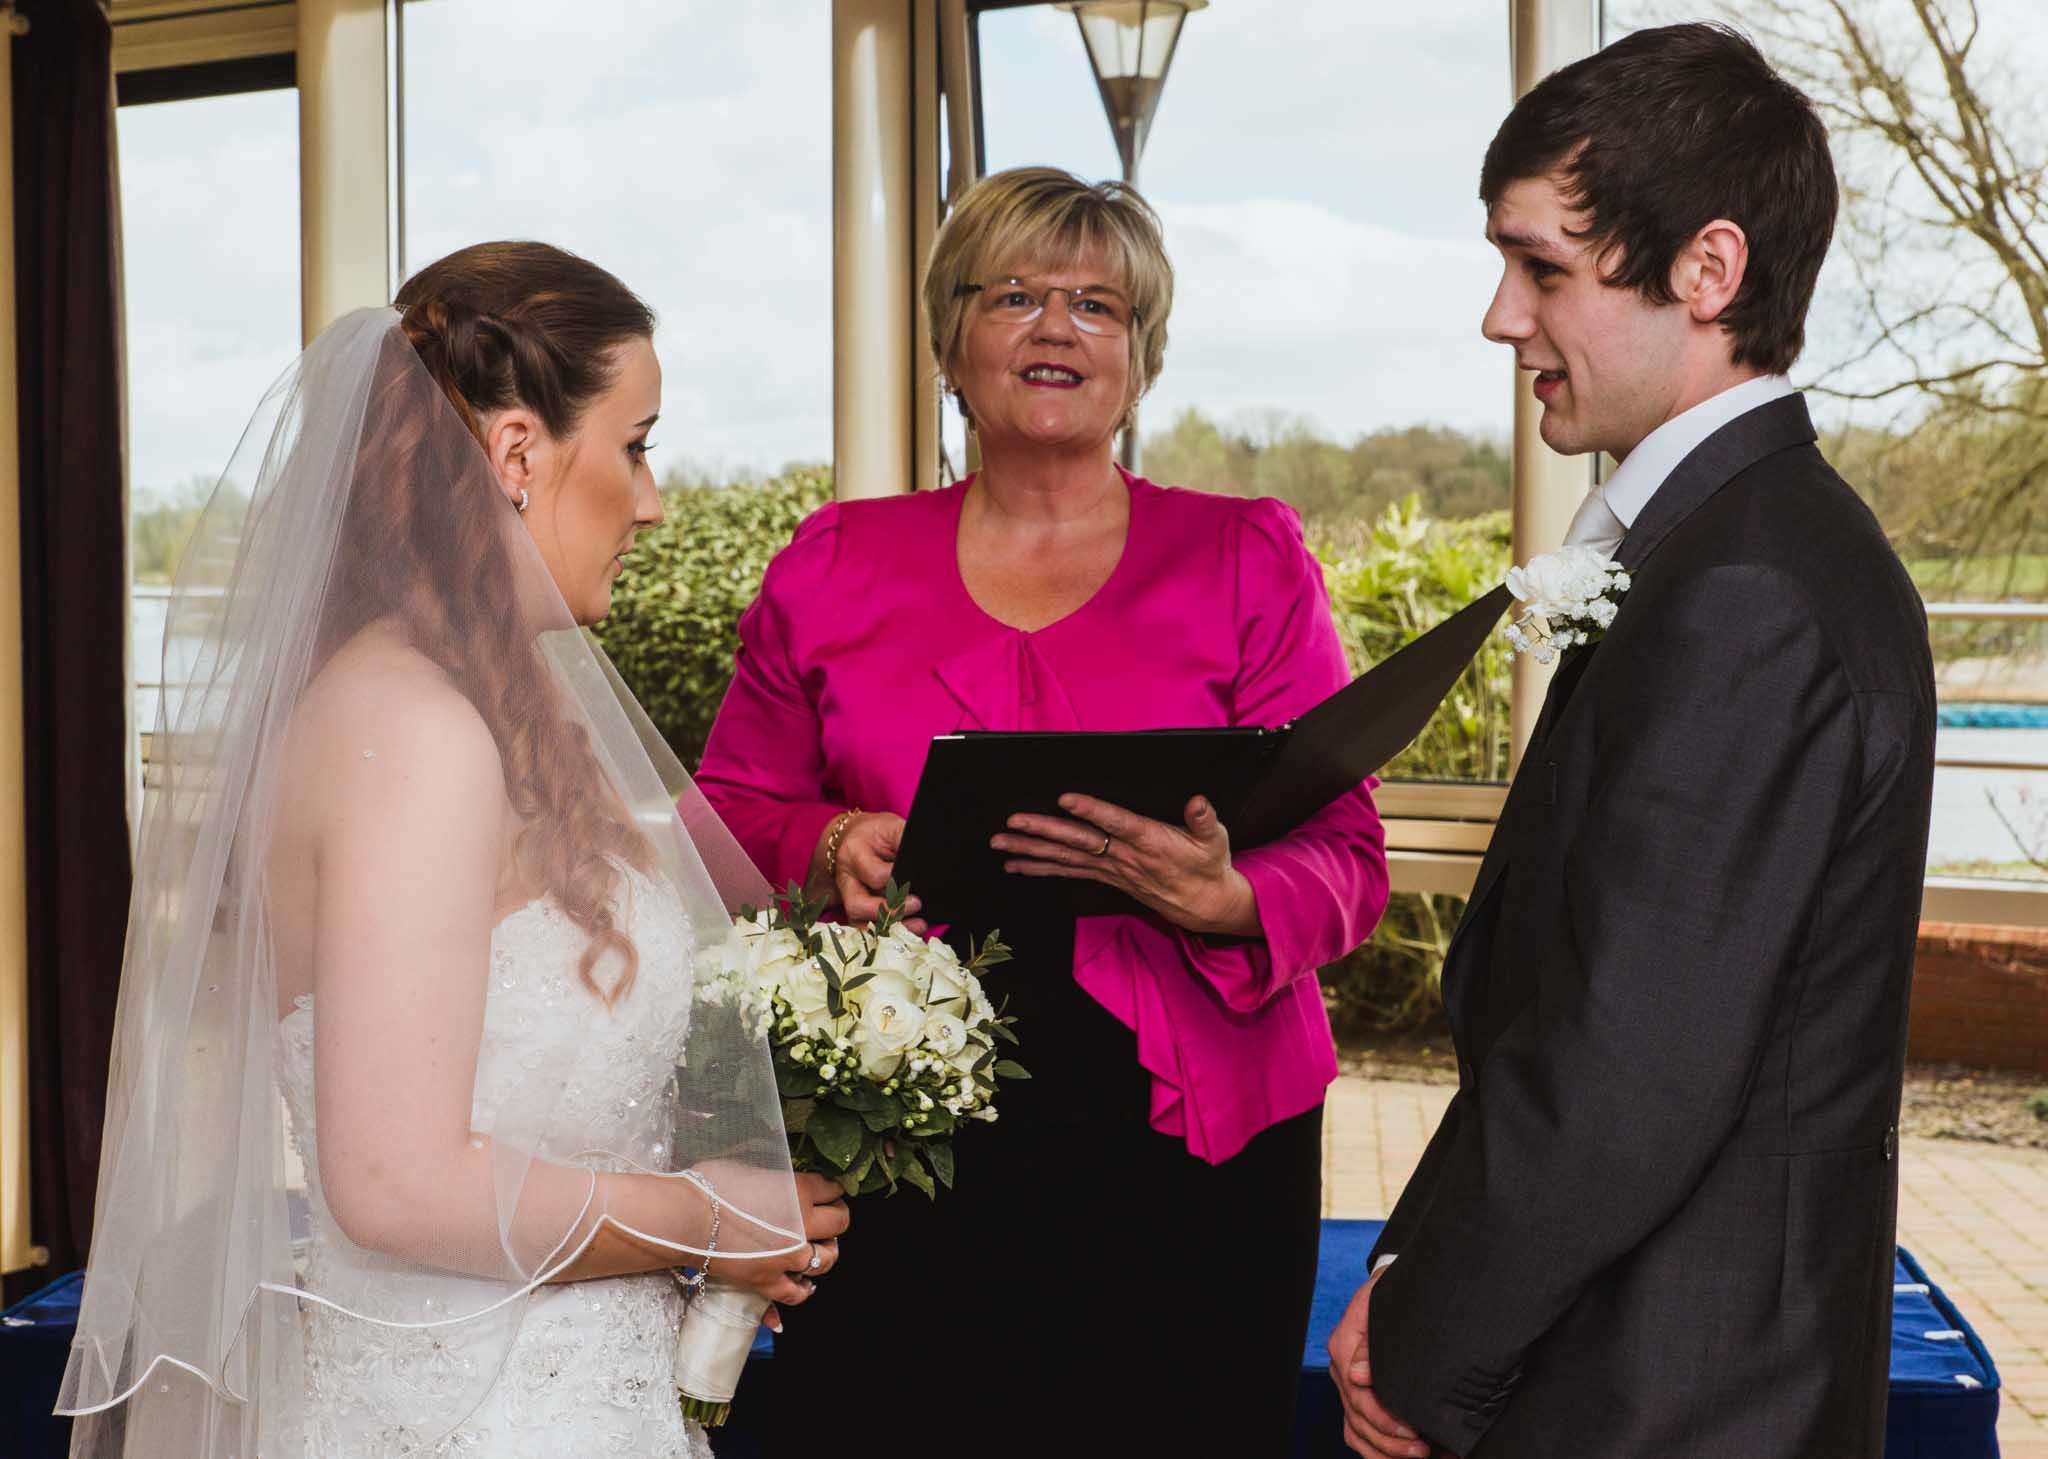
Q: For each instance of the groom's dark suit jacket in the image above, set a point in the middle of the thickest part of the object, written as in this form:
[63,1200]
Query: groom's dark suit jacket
[1657,1220]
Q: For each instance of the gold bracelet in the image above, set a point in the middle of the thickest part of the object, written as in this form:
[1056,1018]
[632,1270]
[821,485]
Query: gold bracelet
[839,825]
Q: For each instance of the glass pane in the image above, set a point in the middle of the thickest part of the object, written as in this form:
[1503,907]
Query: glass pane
[1331,272]
[684,147]
[210,260]
[1927,370]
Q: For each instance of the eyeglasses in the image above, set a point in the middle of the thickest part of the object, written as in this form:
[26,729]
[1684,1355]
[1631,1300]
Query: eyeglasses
[1094,308]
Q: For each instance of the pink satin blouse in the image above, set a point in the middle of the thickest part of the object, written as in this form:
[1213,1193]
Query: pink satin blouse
[865,643]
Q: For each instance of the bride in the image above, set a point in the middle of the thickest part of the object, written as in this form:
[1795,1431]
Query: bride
[413,861]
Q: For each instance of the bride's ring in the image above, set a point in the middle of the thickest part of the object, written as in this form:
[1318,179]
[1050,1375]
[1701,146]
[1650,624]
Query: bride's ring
[817,1258]
[1103,849]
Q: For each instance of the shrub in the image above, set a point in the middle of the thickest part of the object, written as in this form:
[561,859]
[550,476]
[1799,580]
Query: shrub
[1402,575]
[1408,574]
[674,624]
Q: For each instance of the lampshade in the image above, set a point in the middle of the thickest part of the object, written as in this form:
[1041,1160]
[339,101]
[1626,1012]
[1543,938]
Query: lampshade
[1130,45]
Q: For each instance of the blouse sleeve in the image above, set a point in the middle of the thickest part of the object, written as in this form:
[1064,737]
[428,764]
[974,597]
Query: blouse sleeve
[1320,890]
[764,764]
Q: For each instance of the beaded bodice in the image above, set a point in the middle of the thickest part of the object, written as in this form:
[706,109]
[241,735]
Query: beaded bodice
[581,1368]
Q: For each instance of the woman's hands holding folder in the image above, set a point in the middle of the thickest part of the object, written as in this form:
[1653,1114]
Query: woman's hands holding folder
[1181,872]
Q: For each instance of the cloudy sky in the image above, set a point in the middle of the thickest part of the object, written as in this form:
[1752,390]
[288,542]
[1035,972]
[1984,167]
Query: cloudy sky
[1324,233]
[1315,164]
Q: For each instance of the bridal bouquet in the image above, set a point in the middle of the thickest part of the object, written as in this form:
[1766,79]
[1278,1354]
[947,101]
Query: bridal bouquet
[884,1045]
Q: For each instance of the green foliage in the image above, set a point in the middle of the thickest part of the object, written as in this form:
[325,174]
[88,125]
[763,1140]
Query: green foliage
[1413,573]
[2039,1105]
[1394,984]
[1334,486]
[1407,574]
[674,624]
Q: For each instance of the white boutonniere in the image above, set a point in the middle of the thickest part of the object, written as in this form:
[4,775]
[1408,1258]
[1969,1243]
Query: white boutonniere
[1565,598]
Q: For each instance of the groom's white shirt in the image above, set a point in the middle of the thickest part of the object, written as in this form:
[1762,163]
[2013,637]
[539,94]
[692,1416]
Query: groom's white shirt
[1651,463]
[1653,460]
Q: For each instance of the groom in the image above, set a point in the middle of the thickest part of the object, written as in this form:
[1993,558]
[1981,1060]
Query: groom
[1657,1219]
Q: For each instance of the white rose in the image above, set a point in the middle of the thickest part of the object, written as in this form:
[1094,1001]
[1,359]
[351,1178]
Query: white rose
[893,959]
[890,1022]
[776,962]
[970,1053]
[808,1006]
[945,980]
[1556,584]
[944,1034]
[889,985]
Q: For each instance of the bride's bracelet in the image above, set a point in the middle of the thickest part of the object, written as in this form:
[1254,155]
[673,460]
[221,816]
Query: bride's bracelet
[694,1285]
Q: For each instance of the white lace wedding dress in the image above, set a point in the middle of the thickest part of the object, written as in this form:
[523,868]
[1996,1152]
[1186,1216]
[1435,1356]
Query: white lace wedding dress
[589,1371]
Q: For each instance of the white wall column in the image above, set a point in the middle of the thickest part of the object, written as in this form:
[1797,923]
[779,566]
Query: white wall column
[15,1251]
[875,359]
[1543,35]
[344,168]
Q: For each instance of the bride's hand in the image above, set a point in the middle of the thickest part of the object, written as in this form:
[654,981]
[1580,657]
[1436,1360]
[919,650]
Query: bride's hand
[861,870]
[790,1279]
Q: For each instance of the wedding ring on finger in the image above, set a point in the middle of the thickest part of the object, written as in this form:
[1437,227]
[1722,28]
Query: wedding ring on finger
[817,1258]
[1103,849]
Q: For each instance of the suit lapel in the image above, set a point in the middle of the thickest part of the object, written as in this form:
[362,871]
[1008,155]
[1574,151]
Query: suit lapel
[1713,463]
[1778,426]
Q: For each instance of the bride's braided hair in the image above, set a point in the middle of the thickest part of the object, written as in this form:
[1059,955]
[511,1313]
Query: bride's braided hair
[496,325]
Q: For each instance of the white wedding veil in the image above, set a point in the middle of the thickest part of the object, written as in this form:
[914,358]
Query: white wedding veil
[189,1338]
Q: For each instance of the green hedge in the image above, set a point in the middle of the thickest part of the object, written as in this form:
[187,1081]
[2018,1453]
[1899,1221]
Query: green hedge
[674,624]
[672,632]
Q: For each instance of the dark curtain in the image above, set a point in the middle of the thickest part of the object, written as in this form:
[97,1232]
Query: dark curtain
[74,601]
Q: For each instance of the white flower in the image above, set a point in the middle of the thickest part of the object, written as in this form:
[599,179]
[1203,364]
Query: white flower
[1564,596]
[891,984]
[944,1034]
[944,980]
[890,1022]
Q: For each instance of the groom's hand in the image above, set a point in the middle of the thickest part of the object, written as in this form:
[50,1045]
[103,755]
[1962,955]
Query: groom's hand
[1368,1427]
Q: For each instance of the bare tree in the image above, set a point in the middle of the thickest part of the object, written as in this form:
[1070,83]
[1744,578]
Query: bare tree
[1944,243]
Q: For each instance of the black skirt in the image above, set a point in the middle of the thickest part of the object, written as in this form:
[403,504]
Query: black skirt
[1087,1288]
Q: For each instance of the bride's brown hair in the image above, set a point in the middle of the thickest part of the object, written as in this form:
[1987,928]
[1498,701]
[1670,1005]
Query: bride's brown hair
[496,325]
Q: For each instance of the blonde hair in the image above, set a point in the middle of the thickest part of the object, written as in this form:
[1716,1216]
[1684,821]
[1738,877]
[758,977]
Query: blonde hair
[1044,217]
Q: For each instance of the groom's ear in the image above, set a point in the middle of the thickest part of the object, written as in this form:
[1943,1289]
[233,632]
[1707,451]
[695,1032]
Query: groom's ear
[1708,272]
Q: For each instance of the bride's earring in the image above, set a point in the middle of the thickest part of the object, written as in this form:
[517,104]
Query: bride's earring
[521,505]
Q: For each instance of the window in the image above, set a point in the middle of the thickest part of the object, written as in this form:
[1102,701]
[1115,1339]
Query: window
[685,148]
[1331,273]
[210,258]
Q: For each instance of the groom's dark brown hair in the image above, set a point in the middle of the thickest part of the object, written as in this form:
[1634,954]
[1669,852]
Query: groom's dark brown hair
[1663,132]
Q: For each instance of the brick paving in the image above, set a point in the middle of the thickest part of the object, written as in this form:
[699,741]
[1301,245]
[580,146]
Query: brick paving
[1975,1216]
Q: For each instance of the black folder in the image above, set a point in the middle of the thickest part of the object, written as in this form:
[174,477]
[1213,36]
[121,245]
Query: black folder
[1263,782]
